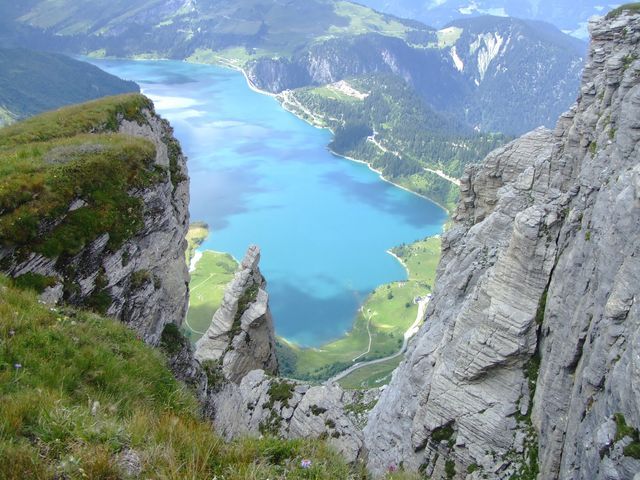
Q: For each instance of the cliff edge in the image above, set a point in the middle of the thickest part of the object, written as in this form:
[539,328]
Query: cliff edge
[94,211]
[528,363]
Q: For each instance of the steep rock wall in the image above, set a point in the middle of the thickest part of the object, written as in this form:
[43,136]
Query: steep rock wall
[241,336]
[530,350]
[145,280]
[242,394]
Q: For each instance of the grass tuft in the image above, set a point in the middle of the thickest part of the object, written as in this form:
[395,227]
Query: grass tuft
[77,389]
[629,7]
[66,177]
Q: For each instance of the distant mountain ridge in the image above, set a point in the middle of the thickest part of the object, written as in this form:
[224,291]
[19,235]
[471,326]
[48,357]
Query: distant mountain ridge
[569,16]
[33,82]
[524,73]
[508,63]
[284,45]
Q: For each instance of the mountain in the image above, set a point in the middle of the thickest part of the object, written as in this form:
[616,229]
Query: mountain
[94,210]
[32,82]
[571,17]
[508,63]
[527,365]
[178,28]
[93,216]
[284,45]
[472,78]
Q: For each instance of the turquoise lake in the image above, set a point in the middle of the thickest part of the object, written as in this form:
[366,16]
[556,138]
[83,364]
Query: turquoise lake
[259,175]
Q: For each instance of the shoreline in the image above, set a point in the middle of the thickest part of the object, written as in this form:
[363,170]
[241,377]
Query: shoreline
[404,265]
[227,64]
[316,124]
[379,173]
[198,254]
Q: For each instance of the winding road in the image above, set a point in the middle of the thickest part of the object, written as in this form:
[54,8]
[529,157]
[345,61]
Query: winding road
[413,329]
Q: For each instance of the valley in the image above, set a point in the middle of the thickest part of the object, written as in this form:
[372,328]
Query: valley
[409,313]
[277,169]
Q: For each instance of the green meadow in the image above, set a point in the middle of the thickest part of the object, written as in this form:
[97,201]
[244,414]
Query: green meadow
[387,313]
[213,271]
[378,329]
[371,376]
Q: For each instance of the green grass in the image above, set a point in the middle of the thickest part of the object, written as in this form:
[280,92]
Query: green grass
[78,389]
[364,20]
[212,274]
[197,233]
[421,259]
[391,312]
[49,161]
[371,376]
[623,430]
[447,37]
[99,115]
[629,7]
[333,94]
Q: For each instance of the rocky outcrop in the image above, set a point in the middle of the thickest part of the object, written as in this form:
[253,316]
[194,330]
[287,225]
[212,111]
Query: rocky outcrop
[243,397]
[261,404]
[241,337]
[144,282]
[529,359]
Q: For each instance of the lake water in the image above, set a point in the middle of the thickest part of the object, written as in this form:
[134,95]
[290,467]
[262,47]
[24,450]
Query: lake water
[261,175]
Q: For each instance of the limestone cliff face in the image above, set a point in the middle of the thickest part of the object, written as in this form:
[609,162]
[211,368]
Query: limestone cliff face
[260,404]
[243,397]
[241,337]
[146,279]
[530,349]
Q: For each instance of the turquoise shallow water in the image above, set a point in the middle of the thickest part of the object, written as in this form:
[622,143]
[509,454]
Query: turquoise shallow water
[260,175]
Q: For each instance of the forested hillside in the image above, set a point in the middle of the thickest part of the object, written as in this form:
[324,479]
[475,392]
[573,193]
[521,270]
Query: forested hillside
[439,99]
[33,82]
[382,120]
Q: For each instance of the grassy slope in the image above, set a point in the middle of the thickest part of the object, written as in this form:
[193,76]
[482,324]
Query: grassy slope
[213,272]
[371,376]
[391,310]
[50,160]
[77,389]
[421,259]
[198,233]
[259,27]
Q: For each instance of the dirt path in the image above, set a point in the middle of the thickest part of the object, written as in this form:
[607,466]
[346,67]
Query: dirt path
[422,306]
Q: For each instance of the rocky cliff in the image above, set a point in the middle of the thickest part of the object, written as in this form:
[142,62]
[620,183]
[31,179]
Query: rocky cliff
[241,337]
[242,394]
[102,220]
[528,361]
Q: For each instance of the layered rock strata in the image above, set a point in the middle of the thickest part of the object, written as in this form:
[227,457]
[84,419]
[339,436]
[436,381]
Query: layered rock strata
[529,362]
[241,337]
[243,395]
[146,279]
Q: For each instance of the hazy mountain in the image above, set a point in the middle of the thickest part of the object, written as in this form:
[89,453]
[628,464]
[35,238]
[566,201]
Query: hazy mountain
[523,74]
[569,16]
[32,82]
[509,63]
[495,74]
[177,28]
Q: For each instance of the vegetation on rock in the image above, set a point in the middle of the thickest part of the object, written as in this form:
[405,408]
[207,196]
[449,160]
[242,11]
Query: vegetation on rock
[66,177]
[80,391]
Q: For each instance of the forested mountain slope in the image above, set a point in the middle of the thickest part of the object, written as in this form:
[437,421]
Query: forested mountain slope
[32,82]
